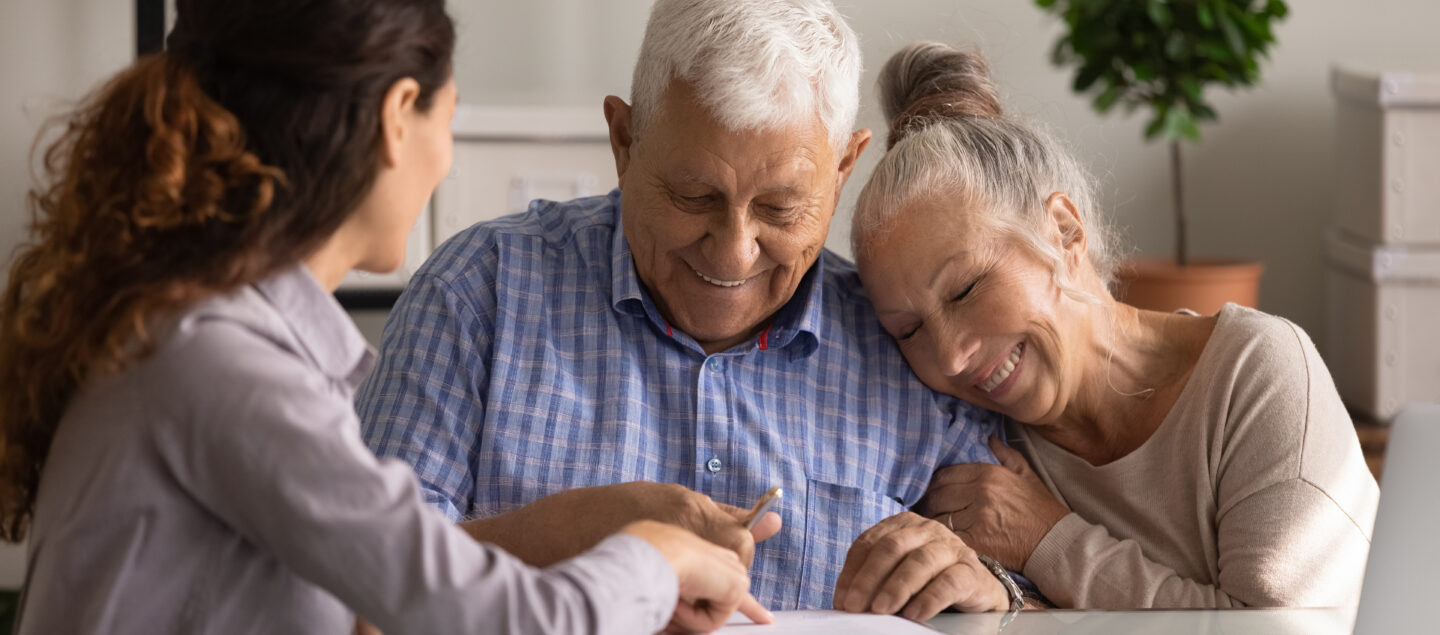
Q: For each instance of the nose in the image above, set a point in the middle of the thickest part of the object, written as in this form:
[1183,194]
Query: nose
[733,243]
[955,348]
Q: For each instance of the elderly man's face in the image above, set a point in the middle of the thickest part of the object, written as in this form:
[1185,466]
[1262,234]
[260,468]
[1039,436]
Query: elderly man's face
[723,224]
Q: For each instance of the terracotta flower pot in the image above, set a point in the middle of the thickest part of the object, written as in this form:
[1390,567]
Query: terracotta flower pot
[1203,286]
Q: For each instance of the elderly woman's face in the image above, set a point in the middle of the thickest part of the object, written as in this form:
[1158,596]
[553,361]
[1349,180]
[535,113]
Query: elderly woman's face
[976,315]
[723,224]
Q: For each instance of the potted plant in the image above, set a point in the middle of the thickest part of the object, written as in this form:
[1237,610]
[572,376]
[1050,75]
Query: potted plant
[1162,54]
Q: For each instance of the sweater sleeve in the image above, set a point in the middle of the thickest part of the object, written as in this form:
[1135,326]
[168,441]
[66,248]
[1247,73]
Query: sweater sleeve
[1286,545]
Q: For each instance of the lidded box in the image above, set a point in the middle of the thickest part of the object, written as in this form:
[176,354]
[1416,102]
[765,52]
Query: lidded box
[1388,138]
[1382,336]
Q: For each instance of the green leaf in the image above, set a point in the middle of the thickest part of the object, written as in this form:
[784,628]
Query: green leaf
[1144,72]
[1156,125]
[1216,53]
[1107,98]
[1045,4]
[1192,87]
[1159,13]
[1179,124]
[1202,11]
[1087,76]
[1277,9]
[1233,38]
[1175,46]
[1059,54]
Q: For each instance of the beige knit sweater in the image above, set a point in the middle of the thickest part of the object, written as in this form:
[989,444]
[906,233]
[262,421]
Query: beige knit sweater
[1252,492]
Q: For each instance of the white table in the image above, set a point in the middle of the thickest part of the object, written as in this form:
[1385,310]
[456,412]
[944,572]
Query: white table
[1332,621]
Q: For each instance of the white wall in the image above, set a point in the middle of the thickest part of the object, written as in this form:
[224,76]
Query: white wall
[51,51]
[1258,187]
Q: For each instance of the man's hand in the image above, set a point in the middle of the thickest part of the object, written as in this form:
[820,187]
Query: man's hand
[1003,511]
[567,523]
[915,566]
[713,583]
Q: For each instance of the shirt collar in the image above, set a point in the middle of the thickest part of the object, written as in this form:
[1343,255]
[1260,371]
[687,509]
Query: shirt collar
[795,327]
[319,323]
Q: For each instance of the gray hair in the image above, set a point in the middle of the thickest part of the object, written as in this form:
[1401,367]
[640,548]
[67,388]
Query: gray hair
[755,64]
[949,138]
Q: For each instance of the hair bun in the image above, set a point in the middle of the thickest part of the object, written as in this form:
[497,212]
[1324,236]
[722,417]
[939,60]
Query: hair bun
[929,80]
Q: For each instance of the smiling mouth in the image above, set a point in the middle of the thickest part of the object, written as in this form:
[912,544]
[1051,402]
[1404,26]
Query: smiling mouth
[1002,372]
[718,282]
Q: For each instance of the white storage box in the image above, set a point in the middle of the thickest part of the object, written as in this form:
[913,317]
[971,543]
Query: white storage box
[1388,148]
[1383,335]
[506,157]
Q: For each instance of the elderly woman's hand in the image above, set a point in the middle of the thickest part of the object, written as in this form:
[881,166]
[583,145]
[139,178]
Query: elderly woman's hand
[913,563]
[1002,511]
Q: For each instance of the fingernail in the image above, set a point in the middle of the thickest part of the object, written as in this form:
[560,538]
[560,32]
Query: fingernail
[881,605]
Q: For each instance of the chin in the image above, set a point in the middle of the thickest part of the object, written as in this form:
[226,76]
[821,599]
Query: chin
[381,265]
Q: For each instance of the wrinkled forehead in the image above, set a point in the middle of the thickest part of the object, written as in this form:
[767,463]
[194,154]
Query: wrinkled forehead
[928,221]
[688,141]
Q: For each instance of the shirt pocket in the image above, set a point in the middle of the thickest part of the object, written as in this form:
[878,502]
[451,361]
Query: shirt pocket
[835,515]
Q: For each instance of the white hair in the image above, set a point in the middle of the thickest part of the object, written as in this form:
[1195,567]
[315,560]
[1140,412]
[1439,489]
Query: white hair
[947,143]
[755,64]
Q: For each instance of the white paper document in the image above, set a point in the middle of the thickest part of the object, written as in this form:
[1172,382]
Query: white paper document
[827,623]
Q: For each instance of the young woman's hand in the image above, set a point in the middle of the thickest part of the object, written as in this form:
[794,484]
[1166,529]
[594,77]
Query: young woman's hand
[713,581]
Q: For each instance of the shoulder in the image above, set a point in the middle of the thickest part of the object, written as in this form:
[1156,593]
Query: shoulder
[573,235]
[226,369]
[231,352]
[846,304]
[549,226]
[1283,416]
[849,324]
[1259,354]
[1260,335]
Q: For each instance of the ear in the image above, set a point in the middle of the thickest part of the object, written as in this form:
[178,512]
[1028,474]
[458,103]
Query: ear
[1070,230]
[858,140]
[617,115]
[397,110]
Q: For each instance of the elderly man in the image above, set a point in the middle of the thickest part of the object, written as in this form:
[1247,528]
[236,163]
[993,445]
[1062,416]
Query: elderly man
[674,349]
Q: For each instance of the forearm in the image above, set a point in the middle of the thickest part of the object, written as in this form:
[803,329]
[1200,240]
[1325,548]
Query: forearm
[1080,565]
[532,542]
[556,527]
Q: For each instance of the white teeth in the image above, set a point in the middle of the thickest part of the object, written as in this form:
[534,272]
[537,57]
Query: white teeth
[719,283]
[1003,372]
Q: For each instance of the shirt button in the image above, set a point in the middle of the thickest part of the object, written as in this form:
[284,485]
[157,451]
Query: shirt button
[713,465]
[715,364]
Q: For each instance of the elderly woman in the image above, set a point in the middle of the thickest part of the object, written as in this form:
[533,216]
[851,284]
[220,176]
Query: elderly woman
[1175,460]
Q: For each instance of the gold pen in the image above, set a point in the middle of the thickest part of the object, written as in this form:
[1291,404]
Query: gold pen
[763,505]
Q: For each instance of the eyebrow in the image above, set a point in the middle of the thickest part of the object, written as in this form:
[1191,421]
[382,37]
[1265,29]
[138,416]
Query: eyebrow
[944,266]
[940,271]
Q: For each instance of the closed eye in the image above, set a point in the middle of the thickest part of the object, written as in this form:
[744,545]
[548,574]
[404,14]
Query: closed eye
[911,333]
[966,292]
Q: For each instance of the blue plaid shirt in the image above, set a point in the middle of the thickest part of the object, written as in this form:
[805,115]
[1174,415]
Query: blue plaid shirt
[524,358]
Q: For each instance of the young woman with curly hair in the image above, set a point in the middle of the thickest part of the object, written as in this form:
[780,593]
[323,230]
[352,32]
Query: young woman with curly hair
[177,438]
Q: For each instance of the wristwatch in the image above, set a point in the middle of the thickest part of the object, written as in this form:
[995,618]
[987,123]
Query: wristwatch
[1017,599]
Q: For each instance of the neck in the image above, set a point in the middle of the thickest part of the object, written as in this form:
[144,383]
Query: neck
[332,261]
[1135,364]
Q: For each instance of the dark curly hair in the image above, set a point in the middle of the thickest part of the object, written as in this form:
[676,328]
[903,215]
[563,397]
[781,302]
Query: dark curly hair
[234,154]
